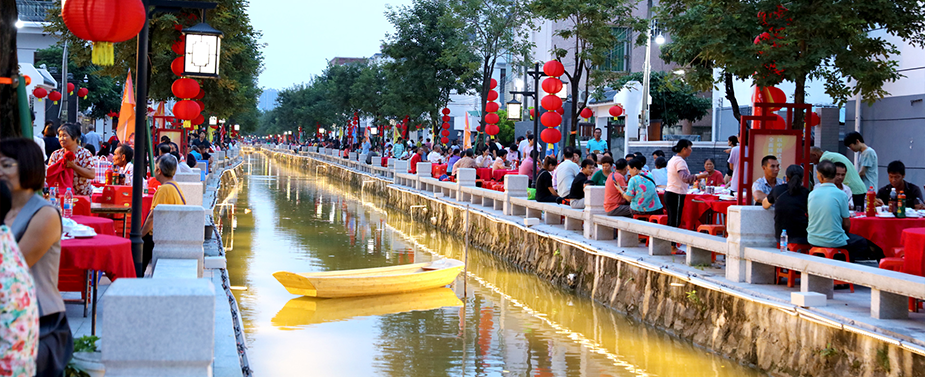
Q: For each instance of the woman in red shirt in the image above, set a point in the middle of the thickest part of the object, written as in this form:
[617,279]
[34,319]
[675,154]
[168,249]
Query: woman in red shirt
[714,177]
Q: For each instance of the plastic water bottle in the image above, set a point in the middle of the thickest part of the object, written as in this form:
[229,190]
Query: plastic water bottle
[67,205]
[144,185]
[53,196]
[783,240]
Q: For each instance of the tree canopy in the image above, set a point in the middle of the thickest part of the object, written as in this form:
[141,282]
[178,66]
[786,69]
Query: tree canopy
[673,99]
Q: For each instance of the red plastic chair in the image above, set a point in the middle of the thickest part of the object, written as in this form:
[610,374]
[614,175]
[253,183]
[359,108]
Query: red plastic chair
[831,253]
[659,219]
[713,230]
[799,247]
[896,264]
[791,275]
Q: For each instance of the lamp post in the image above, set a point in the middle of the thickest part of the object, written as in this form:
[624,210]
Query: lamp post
[647,74]
[141,105]
[536,73]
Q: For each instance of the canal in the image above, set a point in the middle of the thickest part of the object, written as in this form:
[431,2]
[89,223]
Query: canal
[497,322]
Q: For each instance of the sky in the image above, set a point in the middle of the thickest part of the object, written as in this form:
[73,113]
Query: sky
[302,35]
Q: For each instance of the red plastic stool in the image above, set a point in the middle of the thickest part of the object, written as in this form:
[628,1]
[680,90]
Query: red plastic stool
[799,247]
[643,218]
[830,253]
[713,230]
[896,264]
[791,275]
[659,219]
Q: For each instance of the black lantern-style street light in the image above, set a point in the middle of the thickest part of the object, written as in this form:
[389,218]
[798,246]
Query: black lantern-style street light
[536,73]
[514,110]
[201,52]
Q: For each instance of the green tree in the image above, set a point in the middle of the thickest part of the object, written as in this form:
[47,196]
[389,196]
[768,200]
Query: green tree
[672,98]
[105,92]
[429,61]
[232,96]
[827,40]
[589,39]
[495,28]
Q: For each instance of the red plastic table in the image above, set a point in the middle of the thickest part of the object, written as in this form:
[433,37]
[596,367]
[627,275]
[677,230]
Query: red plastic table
[100,253]
[884,232]
[438,170]
[483,173]
[100,225]
[498,175]
[913,240]
[145,206]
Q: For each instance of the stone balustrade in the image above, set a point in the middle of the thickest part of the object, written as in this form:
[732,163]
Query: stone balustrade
[750,256]
[173,238]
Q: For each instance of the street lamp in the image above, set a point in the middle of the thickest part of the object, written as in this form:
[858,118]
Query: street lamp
[202,50]
[536,73]
[213,120]
[237,127]
[514,110]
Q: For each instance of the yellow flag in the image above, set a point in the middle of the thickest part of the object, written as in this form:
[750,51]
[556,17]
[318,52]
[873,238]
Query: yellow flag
[126,128]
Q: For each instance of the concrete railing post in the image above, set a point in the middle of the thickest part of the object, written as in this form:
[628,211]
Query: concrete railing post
[594,205]
[465,177]
[178,233]
[192,191]
[159,327]
[515,186]
[424,170]
[747,226]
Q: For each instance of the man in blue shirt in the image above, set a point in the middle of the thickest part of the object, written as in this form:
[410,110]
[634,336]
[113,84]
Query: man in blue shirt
[829,219]
[596,145]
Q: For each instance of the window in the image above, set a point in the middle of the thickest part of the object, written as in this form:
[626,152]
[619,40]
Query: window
[618,58]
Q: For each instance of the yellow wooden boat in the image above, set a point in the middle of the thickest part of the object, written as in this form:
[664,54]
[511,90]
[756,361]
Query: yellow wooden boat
[371,281]
[302,311]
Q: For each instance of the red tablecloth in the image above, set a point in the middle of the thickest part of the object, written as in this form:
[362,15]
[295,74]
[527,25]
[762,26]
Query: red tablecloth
[145,203]
[100,225]
[696,205]
[109,254]
[438,169]
[82,205]
[884,232]
[498,175]
[914,248]
[483,173]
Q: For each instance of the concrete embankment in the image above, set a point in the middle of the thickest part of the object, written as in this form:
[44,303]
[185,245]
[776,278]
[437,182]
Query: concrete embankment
[739,321]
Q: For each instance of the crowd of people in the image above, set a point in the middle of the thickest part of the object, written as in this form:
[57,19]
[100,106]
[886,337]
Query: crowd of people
[37,339]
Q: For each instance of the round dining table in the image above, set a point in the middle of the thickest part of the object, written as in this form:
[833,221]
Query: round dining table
[913,241]
[110,254]
[100,225]
[884,232]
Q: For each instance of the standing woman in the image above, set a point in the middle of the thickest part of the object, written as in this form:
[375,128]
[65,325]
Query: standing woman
[36,226]
[679,180]
[84,170]
[50,138]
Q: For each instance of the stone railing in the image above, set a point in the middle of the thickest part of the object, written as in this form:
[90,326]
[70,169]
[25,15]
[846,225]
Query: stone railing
[749,249]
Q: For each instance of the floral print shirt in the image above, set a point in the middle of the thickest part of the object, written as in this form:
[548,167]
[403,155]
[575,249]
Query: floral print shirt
[19,312]
[82,186]
[645,197]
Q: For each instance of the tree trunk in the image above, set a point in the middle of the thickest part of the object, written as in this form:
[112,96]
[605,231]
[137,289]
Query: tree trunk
[9,68]
[799,97]
[731,96]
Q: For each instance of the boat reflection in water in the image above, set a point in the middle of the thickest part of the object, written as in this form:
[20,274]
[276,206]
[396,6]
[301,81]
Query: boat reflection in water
[303,311]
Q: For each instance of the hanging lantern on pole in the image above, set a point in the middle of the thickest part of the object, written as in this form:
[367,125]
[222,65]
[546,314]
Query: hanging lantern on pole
[39,93]
[83,92]
[54,96]
[586,113]
[551,102]
[551,119]
[492,118]
[492,129]
[551,136]
[616,110]
[444,140]
[553,68]
[186,110]
[104,22]
[492,107]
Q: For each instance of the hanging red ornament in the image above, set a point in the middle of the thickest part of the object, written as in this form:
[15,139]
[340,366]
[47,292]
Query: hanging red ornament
[82,92]
[492,95]
[561,111]
[104,22]
[201,94]
[444,140]
[446,111]
[586,113]
[492,84]
[186,110]
[445,118]
[176,66]
[777,124]
[445,133]
[492,118]
[178,47]
[551,102]
[199,120]
[552,85]
[39,93]
[616,110]
[814,119]
[532,113]
[553,68]
[492,107]
[492,129]
[202,106]
[551,119]
[446,126]
[54,96]
[550,135]
[70,88]
[185,88]
[112,114]
[478,129]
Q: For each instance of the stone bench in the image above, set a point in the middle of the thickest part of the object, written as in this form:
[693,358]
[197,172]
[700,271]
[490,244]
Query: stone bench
[484,197]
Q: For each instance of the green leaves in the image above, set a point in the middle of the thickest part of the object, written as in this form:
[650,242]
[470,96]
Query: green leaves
[672,98]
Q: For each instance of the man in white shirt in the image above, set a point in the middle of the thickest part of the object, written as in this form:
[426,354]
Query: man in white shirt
[567,170]
[434,157]
[840,172]
[734,166]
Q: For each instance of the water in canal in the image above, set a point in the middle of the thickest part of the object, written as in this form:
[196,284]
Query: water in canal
[280,217]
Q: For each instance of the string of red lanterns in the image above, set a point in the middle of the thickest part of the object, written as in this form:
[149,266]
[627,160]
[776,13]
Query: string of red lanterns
[445,133]
[552,118]
[103,22]
[491,108]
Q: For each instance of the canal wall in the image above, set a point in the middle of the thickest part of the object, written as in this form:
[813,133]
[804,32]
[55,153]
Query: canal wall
[749,323]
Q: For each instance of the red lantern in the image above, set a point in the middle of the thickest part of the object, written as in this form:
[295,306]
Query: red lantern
[492,95]
[813,120]
[777,124]
[552,85]
[553,68]
[199,120]
[492,84]
[201,94]
[445,133]
[82,92]
[39,93]
[445,118]
[561,111]
[446,111]
[186,110]
[492,118]
[70,88]
[492,107]
[446,126]
[492,129]
[551,119]
[104,22]
[586,113]
[178,47]
[551,102]
[616,111]
[444,140]
[550,135]
[185,88]
[112,114]
[532,113]
[177,66]
[202,106]
[54,96]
